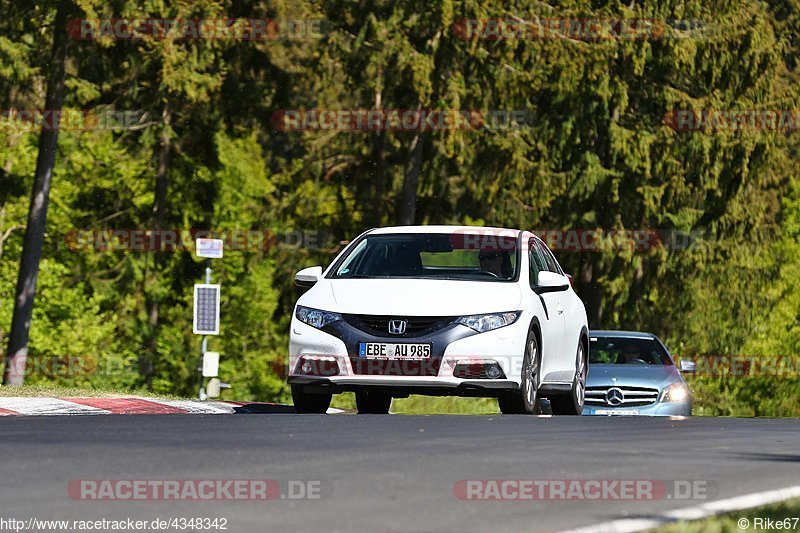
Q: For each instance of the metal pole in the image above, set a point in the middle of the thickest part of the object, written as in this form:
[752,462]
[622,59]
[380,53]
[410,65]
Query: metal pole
[204,346]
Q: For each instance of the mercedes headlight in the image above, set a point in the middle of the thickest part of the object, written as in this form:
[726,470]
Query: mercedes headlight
[488,322]
[677,392]
[315,317]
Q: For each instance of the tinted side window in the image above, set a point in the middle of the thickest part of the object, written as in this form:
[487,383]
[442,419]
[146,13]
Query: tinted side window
[547,257]
[538,263]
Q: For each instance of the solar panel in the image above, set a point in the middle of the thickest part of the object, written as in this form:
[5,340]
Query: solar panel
[206,309]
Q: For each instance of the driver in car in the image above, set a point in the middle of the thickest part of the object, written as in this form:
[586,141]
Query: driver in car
[630,355]
[498,263]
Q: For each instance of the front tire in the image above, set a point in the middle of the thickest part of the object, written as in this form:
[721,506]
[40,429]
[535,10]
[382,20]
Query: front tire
[523,401]
[373,403]
[310,403]
[572,403]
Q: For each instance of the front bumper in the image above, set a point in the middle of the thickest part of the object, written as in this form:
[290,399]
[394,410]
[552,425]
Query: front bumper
[655,409]
[431,377]
[403,386]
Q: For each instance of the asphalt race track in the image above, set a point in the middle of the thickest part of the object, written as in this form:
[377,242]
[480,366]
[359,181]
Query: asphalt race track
[386,473]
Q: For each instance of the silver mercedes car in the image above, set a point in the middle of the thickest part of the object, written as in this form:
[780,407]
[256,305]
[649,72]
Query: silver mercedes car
[632,373]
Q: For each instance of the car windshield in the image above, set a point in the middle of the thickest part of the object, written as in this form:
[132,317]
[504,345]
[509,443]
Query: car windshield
[431,255]
[627,351]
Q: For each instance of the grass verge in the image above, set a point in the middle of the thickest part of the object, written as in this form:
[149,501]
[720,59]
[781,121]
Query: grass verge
[47,391]
[781,515]
[428,405]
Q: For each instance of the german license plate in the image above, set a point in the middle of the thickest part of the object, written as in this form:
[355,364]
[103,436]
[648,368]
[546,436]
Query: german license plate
[385,350]
[617,412]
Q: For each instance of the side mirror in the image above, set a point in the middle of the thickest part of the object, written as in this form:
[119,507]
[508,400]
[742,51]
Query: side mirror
[308,276]
[690,367]
[550,282]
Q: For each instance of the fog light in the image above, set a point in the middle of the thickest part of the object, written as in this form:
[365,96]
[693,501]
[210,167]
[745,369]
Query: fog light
[477,369]
[493,372]
[318,365]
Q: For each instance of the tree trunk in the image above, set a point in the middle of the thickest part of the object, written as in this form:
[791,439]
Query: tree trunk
[590,293]
[378,178]
[150,354]
[378,160]
[408,205]
[17,355]
[2,230]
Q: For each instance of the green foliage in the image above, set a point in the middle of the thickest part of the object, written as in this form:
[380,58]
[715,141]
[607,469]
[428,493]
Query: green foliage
[777,331]
[595,153]
[746,396]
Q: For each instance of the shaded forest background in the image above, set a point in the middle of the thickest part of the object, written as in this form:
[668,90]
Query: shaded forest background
[596,153]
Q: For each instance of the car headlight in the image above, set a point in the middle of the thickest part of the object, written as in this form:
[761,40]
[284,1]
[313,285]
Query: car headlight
[315,317]
[488,322]
[677,392]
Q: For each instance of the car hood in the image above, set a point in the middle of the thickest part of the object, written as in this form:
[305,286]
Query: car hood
[412,297]
[658,376]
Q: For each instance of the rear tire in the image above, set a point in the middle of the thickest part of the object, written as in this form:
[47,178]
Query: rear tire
[523,401]
[310,403]
[572,403]
[373,403]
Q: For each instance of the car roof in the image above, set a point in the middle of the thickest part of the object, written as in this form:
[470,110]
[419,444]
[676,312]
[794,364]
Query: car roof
[444,229]
[622,334]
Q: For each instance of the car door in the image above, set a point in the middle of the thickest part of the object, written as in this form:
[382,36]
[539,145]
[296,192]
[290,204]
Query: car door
[573,311]
[553,323]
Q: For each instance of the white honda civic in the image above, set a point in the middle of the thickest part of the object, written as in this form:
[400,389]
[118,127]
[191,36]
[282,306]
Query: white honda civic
[439,310]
